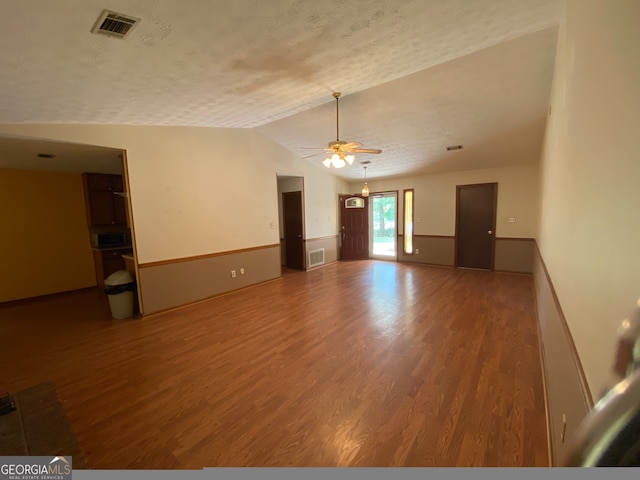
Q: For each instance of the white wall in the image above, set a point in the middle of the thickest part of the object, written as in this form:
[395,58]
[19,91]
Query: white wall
[321,188]
[320,199]
[199,190]
[435,199]
[589,224]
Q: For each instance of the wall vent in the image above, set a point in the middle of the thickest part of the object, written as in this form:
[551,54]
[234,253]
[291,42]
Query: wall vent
[316,257]
[114,24]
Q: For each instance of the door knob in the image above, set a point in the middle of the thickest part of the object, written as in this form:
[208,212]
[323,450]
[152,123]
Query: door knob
[489,232]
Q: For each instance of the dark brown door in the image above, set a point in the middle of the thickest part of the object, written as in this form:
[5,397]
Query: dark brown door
[293,243]
[476,225]
[354,226]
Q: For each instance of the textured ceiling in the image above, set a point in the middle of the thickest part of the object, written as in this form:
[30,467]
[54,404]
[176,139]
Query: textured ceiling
[416,75]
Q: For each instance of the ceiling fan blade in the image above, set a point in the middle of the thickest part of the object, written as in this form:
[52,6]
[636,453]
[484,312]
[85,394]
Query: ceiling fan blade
[313,148]
[366,150]
[350,145]
[313,155]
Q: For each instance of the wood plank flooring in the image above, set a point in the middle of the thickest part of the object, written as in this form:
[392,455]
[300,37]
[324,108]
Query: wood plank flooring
[360,363]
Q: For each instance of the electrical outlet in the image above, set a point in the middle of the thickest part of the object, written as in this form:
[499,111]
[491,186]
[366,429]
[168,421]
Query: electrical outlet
[242,271]
[233,274]
[417,251]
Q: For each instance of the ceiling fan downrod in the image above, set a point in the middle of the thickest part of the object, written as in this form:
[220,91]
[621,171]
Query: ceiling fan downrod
[336,95]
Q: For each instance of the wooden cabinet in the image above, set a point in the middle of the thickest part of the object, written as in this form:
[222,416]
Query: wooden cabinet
[108,261]
[106,207]
[105,201]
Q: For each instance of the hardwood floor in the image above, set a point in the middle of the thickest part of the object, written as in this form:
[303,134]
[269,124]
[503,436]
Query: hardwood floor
[354,364]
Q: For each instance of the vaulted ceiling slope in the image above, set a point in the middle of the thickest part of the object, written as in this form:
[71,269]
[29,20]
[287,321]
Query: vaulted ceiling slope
[416,75]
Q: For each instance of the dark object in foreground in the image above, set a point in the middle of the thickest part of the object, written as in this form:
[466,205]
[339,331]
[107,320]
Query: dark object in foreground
[7,404]
[609,436]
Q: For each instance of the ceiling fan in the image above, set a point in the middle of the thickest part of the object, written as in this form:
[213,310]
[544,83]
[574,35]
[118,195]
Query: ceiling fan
[339,152]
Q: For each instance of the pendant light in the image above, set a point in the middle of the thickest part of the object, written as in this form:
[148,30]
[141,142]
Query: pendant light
[365,187]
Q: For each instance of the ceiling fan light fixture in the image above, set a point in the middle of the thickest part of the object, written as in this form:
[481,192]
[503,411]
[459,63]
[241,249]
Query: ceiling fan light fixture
[350,159]
[337,162]
[327,162]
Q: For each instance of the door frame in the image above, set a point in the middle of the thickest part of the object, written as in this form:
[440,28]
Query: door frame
[342,198]
[493,226]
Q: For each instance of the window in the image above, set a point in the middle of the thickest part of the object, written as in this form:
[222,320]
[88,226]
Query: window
[408,221]
[354,202]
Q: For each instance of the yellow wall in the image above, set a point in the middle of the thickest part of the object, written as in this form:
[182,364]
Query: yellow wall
[45,239]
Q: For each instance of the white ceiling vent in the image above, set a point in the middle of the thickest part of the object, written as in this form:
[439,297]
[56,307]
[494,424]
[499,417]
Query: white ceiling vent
[114,24]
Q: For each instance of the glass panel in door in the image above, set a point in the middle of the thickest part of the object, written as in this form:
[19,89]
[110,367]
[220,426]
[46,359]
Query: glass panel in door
[383,226]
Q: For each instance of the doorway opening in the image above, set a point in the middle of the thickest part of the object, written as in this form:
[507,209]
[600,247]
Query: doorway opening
[384,229]
[96,208]
[291,215]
